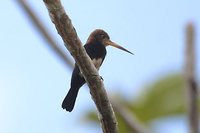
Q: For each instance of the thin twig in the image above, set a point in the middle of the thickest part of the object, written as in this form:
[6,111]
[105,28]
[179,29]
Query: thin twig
[190,79]
[73,44]
[44,32]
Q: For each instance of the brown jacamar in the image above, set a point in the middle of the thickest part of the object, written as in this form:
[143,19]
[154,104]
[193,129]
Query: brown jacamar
[96,49]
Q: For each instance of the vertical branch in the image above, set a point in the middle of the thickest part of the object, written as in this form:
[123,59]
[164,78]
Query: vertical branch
[190,80]
[73,44]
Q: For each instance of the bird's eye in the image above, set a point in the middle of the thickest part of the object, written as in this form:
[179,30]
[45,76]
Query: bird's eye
[102,36]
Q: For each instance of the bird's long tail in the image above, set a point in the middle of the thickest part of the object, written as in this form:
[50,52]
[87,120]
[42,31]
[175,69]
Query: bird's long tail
[70,99]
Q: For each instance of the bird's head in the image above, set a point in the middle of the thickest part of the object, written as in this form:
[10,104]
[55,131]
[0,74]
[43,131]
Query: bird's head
[101,36]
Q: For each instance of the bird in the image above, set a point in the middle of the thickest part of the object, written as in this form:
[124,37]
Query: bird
[95,47]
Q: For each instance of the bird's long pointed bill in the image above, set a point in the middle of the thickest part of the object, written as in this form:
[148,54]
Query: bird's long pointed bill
[117,46]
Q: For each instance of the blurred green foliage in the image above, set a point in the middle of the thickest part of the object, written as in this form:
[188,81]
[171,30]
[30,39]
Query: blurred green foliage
[164,97]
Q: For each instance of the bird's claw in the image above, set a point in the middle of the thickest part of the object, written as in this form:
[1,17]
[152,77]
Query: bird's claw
[100,77]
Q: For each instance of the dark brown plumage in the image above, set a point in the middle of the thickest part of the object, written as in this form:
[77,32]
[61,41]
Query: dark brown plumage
[96,49]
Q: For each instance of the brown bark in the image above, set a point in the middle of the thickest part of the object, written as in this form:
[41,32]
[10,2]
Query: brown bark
[190,79]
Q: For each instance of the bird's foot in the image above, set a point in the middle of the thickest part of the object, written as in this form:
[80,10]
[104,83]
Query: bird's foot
[100,77]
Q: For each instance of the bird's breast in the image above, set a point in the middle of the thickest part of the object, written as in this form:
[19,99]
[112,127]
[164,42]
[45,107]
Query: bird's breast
[97,62]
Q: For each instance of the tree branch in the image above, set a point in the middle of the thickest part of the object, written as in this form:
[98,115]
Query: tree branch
[73,44]
[43,31]
[190,80]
